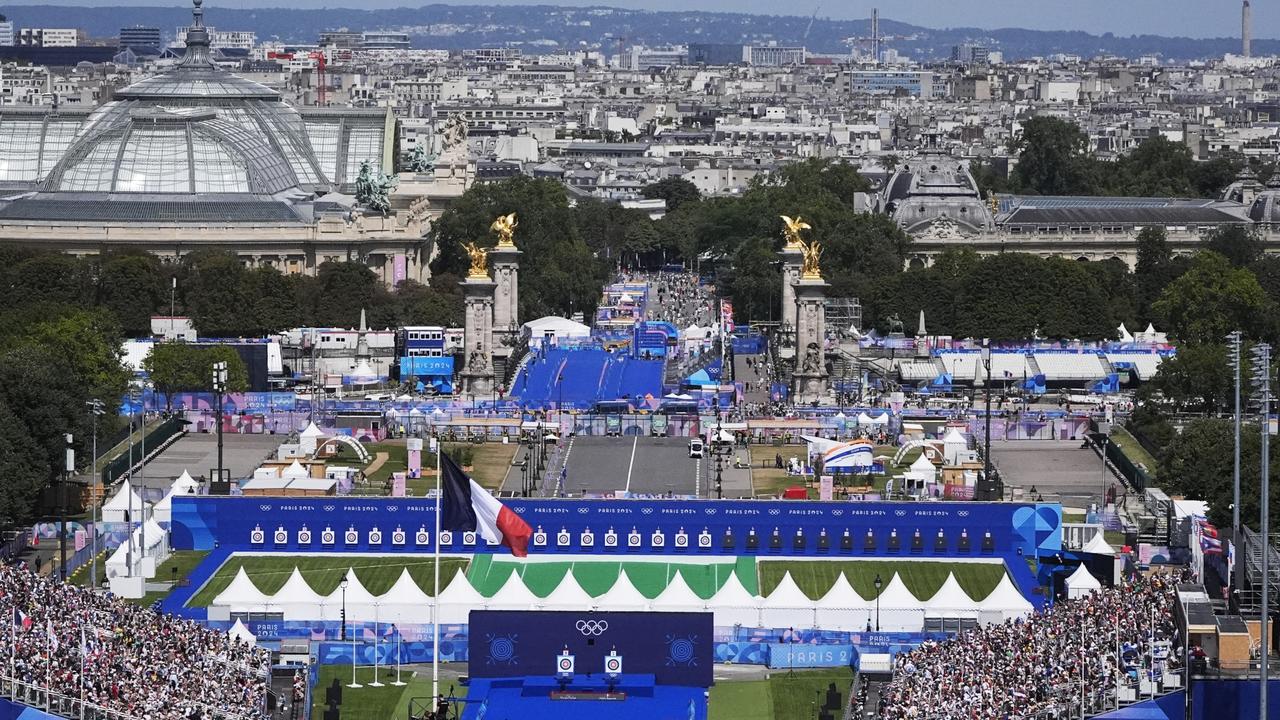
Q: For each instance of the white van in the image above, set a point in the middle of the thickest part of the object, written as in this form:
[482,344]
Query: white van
[695,448]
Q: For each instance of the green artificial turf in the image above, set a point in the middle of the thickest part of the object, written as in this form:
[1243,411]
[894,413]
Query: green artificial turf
[922,578]
[270,572]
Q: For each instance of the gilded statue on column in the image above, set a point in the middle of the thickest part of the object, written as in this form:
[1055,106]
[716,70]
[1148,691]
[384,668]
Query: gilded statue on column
[505,226]
[809,267]
[791,231]
[479,260]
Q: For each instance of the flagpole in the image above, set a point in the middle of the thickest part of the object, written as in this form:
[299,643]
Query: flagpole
[399,657]
[435,596]
[377,645]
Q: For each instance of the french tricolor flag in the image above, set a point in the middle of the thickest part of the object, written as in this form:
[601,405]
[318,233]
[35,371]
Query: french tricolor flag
[467,507]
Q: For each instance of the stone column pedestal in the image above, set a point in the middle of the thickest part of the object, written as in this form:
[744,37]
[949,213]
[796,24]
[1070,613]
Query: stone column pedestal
[791,261]
[477,368]
[505,262]
[810,376]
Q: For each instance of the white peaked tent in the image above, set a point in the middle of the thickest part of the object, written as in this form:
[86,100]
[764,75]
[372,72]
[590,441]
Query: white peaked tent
[954,445]
[900,611]
[568,595]
[457,600]
[295,471]
[114,509]
[881,419]
[1082,583]
[163,511]
[787,606]
[513,595]
[1125,335]
[677,596]
[864,419]
[297,599]
[185,484]
[309,439]
[1099,546]
[922,471]
[240,632]
[950,601]
[623,596]
[404,601]
[1005,603]
[842,608]
[241,595]
[734,605]
[359,600]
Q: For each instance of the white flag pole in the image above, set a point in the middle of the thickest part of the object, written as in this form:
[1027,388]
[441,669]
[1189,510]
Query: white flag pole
[435,596]
[399,657]
[377,645]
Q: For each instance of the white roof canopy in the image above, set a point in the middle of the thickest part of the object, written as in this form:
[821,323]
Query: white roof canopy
[677,596]
[622,596]
[950,598]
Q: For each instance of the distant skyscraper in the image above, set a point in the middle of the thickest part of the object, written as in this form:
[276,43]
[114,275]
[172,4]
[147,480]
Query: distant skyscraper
[1246,29]
[139,36]
[6,33]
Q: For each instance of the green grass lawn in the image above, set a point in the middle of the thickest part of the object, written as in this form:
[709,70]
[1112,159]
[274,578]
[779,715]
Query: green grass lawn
[177,567]
[377,574]
[781,697]
[397,459]
[922,578]
[740,700]
[384,703]
[1130,446]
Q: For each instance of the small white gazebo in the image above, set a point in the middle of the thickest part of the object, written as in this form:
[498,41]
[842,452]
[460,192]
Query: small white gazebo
[1082,583]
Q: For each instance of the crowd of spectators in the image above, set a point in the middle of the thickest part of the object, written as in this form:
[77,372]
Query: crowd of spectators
[1040,666]
[94,647]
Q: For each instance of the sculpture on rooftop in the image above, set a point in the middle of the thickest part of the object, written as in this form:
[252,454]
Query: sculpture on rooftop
[420,161]
[373,189]
[505,226]
[453,137]
[791,231]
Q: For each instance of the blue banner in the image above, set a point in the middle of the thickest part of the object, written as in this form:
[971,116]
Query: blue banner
[627,527]
[795,655]
[520,644]
[422,367]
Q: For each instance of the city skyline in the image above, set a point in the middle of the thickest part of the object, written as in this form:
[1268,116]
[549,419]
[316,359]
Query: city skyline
[1179,18]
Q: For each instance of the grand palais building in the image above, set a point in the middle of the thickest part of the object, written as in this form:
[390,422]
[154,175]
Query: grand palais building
[197,157]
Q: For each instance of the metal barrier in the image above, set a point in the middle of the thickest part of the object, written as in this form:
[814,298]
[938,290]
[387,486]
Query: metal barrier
[66,706]
[124,464]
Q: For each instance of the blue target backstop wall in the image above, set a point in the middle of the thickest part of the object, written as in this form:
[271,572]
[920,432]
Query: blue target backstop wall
[622,527]
[506,643]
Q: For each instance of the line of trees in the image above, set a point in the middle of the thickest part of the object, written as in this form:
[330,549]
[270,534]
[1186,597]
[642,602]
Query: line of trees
[1054,159]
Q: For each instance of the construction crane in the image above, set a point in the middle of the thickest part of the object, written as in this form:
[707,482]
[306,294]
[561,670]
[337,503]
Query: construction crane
[809,27]
[321,88]
[876,40]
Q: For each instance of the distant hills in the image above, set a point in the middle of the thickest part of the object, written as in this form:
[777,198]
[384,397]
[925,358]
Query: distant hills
[546,28]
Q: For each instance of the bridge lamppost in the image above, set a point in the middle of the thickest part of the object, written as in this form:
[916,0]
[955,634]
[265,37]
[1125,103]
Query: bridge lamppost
[878,583]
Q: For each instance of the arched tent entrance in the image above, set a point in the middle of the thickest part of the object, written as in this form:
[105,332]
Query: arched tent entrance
[929,450]
[350,442]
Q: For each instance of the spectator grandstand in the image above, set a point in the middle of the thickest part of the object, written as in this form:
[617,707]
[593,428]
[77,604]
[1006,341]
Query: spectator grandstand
[85,653]
[1041,668]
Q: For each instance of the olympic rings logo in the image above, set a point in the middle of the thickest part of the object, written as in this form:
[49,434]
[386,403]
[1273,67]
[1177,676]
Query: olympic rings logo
[590,628]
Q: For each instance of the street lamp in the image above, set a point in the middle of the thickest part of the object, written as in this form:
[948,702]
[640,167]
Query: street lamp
[1234,342]
[220,387]
[95,409]
[1262,382]
[986,386]
[878,583]
[343,585]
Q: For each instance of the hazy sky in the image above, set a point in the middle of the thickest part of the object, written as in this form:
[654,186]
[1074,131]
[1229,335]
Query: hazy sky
[1193,18]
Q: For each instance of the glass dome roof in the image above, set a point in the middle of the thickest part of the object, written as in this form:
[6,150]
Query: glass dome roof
[194,129]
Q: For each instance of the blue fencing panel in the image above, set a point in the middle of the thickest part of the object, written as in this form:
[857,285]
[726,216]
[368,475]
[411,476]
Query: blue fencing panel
[795,655]
[514,644]
[628,527]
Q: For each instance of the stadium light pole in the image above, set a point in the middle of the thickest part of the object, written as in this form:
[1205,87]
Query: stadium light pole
[95,409]
[1262,381]
[62,506]
[986,386]
[219,387]
[878,583]
[1233,350]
